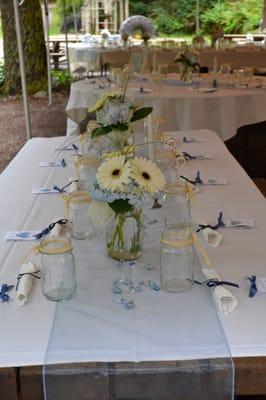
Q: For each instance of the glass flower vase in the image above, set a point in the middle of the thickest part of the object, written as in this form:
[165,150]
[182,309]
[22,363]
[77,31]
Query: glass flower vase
[124,236]
[120,139]
[186,73]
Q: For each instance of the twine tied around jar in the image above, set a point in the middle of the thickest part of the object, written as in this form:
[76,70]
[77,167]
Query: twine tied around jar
[188,238]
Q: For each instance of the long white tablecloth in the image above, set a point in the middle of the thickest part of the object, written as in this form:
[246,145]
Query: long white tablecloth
[25,330]
[180,107]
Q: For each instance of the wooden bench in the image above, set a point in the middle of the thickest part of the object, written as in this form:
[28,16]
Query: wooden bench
[256,37]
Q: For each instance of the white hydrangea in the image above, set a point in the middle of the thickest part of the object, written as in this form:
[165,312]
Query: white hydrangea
[114,112]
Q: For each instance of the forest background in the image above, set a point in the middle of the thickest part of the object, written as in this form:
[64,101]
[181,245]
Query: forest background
[178,17]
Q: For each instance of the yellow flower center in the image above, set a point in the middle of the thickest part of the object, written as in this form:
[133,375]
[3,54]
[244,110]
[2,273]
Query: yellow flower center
[116,172]
[146,176]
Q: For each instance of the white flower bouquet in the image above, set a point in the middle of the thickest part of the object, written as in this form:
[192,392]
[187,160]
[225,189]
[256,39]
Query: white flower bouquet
[123,187]
[187,58]
[114,112]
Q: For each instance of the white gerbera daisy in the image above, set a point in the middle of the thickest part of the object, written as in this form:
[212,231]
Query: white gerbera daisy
[147,175]
[114,173]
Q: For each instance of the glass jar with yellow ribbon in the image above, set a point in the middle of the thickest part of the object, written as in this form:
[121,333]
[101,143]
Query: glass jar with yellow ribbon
[57,267]
[177,259]
[176,205]
[77,210]
[86,169]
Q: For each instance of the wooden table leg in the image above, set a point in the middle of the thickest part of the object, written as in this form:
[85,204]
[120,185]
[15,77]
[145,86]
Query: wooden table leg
[250,376]
[8,384]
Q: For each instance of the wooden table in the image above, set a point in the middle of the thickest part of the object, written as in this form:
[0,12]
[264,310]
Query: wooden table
[25,383]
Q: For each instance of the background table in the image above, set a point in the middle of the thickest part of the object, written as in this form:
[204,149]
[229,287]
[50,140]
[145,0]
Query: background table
[242,253]
[180,106]
[237,57]
[93,58]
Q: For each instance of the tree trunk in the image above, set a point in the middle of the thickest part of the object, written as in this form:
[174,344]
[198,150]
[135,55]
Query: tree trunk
[264,15]
[33,46]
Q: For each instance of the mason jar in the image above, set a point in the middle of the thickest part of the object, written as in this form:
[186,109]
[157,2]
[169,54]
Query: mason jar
[176,260]
[124,236]
[176,206]
[78,204]
[57,267]
[86,169]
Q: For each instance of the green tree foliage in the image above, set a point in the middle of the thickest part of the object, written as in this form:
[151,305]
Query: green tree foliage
[233,16]
[175,16]
[181,14]
[143,7]
[69,8]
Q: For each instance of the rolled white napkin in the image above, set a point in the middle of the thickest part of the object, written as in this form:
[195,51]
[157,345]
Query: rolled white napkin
[25,282]
[225,301]
[59,230]
[212,237]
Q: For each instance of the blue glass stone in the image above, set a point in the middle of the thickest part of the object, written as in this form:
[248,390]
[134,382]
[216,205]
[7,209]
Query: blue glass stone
[116,289]
[154,286]
[148,267]
[129,305]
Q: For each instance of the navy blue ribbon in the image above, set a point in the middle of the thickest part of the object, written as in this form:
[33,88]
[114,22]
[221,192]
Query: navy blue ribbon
[63,162]
[213,283]
[189,156]
[50,227]
[62,189]
[4,296]
[197,180]
[253,287]
[33,274]
[187,180]
[220,224]
[75,147]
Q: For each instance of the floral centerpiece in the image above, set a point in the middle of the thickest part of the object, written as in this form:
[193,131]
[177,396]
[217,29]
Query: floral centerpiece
[198,41]
[114,114]
[124,185]
[105,35]
[187,60]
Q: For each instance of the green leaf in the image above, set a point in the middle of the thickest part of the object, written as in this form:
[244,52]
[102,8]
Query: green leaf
[121,206]
[103,130]
[120,127]
[141,113]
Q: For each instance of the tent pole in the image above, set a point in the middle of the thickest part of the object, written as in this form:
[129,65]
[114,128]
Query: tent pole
[22,70]
[66,36]
[46,29]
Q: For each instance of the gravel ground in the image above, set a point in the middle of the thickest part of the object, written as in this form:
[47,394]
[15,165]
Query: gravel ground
[46,121]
